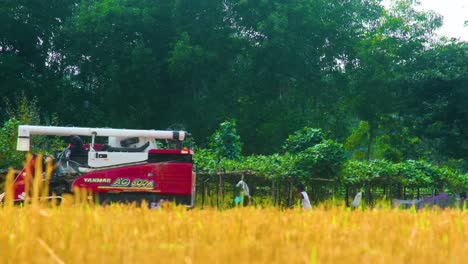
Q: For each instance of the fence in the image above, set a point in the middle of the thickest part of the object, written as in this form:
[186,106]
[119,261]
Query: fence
[219,190]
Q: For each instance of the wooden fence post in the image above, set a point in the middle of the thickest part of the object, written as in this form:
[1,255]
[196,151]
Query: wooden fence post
[369,194]
[273,191]
[203,193]
[217,191]
[221,189]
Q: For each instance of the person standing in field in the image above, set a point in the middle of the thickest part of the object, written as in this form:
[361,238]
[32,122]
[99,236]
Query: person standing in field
[244,191]
[357,200]
[305,202]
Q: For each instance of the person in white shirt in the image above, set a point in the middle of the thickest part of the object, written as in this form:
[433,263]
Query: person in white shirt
[357,200]
[305,202]
[245,189]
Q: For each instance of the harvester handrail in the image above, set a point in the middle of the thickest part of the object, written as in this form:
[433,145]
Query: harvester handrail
[24,132]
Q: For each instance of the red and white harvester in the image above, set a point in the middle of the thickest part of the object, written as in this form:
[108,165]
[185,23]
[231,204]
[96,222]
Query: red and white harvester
[128,168]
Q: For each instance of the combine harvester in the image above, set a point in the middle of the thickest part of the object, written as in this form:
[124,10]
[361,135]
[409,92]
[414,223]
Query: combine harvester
[129,168]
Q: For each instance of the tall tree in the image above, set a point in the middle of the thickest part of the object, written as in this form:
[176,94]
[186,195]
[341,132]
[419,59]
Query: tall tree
[114,51]
[435,96]
[28,30]
[382,57]
[291,71]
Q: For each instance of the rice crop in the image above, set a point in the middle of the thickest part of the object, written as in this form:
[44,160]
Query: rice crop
[117,233]
[78,231]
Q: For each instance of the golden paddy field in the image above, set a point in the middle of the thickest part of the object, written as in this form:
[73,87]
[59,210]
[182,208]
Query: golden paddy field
[84,233]
[80,232]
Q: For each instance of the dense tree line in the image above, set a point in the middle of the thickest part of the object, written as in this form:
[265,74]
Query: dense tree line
[377,80]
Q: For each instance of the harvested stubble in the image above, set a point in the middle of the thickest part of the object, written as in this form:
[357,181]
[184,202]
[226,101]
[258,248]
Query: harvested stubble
[83,233]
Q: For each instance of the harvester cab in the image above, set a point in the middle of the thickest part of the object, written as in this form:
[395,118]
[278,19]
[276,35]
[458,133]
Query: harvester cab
[129,167]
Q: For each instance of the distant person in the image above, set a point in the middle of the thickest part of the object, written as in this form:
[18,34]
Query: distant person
[244,189]
[357,200]
[305,202]
[463,200]
[463,196]
[76,147]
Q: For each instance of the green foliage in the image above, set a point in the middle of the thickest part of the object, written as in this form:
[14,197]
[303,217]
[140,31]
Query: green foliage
[224,150]
[417,173]
[397,143]
[411,174]
[9,157]
[358,140]
[320,160]
[323,160]
[268,166]
[184,56]
[272,166]
[205,160]
[327,160]
[439,80]
[359,173]
[303,139]
[224,155]
[225,142]
[24,112]
[456,182]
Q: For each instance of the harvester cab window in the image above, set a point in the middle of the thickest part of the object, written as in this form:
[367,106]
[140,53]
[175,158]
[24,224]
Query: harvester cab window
[174,144]
[129,141]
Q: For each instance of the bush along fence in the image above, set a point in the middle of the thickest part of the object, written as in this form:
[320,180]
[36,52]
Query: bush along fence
[309,158]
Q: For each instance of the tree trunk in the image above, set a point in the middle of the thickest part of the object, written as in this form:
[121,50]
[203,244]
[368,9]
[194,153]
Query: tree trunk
[347,196]
[370,140]
[278,191]
[334,190]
